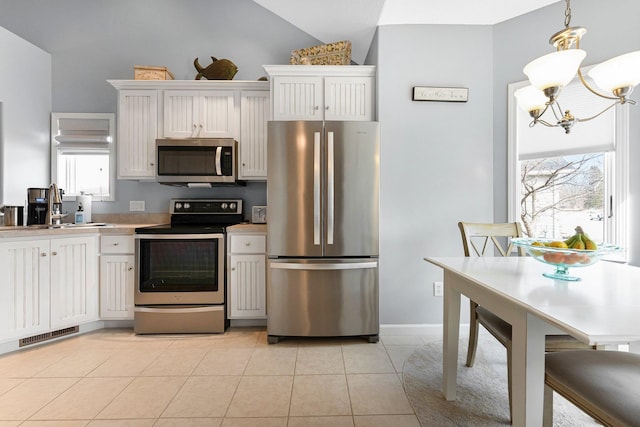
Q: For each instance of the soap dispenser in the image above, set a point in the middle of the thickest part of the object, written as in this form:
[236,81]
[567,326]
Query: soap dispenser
[79,215]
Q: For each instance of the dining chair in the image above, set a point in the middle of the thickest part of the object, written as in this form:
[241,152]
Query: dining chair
[484,239]
[603,384]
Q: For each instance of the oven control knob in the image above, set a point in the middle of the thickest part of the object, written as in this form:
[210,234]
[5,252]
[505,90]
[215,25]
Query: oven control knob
[178,206]
[224,206]
[232,206]
[187,205]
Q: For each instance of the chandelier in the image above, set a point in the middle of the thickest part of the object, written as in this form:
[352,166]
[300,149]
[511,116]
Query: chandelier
[550,73]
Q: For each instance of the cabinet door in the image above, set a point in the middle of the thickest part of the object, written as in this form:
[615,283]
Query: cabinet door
[254,114]
[348,98]
[247,286]
[74,281]
[116,286]
[24,288]
[181,113]
[298,98]
[137,133]
[217,115]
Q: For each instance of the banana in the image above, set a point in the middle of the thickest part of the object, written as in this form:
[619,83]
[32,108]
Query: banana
[578,243]
[588,243]
[581,241]
[570,241]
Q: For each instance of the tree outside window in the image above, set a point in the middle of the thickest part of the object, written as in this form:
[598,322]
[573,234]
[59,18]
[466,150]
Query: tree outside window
[559,193]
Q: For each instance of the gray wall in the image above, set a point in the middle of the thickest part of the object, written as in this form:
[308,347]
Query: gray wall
[436,158]
[92,41]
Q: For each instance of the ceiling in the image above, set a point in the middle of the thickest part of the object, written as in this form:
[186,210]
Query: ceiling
[356,20]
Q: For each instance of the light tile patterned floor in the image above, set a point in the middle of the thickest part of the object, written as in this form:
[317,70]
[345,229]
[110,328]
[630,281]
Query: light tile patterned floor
[116,378]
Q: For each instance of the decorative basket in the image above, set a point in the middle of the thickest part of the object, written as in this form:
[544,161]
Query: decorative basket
[145,72]
[338,53]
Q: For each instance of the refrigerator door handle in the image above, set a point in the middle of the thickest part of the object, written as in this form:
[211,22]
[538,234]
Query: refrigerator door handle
[316,188]
[330,189]
[324,266]
[218,163]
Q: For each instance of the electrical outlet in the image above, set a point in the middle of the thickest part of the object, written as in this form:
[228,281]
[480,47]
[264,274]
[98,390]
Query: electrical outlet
[136,205]
[437,289]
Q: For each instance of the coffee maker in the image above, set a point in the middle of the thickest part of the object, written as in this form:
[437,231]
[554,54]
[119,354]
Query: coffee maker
[37,207]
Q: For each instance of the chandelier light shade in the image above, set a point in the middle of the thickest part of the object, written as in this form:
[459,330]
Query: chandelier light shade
[555,69]
[550,73]
[617,73]
[530,99]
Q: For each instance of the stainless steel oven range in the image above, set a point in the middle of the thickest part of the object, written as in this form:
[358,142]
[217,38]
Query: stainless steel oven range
[180,268]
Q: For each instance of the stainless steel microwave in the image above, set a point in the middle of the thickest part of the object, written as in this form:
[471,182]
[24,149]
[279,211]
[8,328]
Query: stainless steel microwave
[196,162]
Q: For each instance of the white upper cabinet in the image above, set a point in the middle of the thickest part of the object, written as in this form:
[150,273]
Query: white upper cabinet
[254,114]
[322,92]
[151,109]
[199,114]
[137,133]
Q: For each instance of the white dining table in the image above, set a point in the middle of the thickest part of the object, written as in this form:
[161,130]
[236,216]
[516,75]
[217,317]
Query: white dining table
[603,308]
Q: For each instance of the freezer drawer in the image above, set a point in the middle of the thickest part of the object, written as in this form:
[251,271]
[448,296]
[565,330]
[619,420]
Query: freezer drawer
[322,298]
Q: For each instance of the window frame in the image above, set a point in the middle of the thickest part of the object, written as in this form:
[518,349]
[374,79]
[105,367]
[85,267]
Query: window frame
[86,149]
[616,171]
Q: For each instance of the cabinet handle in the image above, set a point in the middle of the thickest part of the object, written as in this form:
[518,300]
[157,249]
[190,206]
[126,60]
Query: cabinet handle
[54,253]
[129,268]
[116,244]
[316,108]
[195,126]
[247,243]
[43,254]
[152,164]
[326,108]
[233,269]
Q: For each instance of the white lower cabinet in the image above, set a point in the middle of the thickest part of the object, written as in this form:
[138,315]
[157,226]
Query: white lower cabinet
[47,284]
[117,277]
[74,281]
[24,289]
[246,292]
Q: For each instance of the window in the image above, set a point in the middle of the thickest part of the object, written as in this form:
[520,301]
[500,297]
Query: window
[558,181]
[83,154]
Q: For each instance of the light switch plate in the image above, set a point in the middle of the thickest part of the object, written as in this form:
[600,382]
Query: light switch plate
[136,205]
[259,214]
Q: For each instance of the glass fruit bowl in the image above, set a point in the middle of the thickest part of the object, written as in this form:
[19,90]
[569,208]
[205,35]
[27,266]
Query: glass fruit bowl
[563,258]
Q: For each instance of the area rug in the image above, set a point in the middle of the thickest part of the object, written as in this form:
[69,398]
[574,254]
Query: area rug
[482,398]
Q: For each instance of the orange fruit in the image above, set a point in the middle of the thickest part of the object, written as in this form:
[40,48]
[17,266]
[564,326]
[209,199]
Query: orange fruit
[553,257]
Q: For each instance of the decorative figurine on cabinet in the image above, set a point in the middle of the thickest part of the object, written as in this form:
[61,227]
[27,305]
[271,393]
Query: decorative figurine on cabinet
[222,69]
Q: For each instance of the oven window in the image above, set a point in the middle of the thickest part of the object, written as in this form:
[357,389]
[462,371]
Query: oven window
[179,265]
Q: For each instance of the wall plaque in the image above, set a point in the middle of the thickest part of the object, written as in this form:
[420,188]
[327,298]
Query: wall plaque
[442,94]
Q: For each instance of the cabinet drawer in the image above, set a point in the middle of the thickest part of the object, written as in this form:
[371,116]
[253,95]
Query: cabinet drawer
[248,244]
[116,244]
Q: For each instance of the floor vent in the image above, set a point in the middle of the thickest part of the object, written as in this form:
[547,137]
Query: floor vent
[48,336]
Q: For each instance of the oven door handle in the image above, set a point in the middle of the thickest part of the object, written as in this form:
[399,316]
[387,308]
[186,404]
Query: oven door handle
[210,236]
[175,309]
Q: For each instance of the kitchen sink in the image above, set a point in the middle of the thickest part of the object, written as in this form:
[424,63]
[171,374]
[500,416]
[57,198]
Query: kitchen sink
[70,225]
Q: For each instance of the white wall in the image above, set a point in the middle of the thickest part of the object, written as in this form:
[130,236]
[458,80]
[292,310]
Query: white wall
[25,98]
[436,158]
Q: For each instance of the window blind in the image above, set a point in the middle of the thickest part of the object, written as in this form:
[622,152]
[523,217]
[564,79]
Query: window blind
[74,131]
[597,135]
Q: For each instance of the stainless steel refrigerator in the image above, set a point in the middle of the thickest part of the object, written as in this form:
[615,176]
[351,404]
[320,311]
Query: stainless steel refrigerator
[323,212]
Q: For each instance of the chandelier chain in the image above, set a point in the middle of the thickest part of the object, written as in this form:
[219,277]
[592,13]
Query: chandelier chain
[567,14]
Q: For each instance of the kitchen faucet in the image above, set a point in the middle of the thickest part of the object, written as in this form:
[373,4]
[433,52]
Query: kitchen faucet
[54,208]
